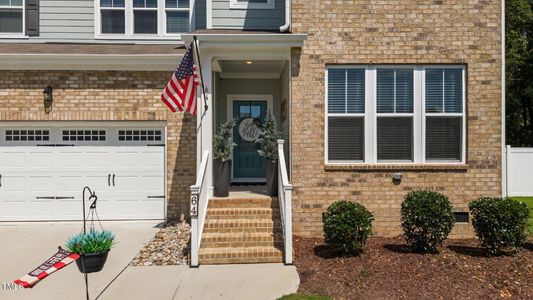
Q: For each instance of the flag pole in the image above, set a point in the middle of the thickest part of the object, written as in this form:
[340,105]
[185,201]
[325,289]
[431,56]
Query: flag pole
[200,70]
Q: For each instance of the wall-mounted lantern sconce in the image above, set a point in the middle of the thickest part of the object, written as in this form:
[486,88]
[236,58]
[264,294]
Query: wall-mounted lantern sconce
[397,178]
[48,95]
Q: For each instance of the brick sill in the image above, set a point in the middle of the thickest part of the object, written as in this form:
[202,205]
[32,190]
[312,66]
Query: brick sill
[396,167]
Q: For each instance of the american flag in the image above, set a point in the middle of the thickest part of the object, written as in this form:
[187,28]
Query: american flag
[180,92]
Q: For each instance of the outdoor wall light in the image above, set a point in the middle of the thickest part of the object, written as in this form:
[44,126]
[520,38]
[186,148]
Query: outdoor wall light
[397,178]
[48,95]
[249,62]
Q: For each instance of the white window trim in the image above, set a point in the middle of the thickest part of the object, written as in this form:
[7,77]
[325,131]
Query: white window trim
[129,22]
[244,4]
[418,115]
[16,35]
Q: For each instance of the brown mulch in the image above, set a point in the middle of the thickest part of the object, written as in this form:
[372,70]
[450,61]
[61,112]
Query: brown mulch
[387,269]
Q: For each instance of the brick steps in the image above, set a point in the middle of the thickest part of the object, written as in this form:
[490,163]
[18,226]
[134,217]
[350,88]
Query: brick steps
[242,230]
[242,239]
[243,213]
[236,255]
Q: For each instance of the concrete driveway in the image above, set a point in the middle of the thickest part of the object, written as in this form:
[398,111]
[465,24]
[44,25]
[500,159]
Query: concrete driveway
[24,246]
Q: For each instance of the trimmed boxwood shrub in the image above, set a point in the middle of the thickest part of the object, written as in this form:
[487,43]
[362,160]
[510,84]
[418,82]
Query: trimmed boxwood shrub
[347,226]
[427,219]
[500,224]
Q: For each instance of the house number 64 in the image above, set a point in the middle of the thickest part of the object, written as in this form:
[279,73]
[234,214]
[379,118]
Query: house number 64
[194,205]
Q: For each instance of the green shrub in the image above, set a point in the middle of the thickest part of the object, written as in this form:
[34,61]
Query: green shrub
[427,219]
[500,224]
[347,226]
[92,242]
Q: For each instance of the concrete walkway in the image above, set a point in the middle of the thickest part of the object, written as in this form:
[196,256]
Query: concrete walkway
[23,246]
[253,281]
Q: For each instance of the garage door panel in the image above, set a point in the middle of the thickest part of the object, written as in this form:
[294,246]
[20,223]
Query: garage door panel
[13,159]
[98,159]
[153,159]
[68,159]
[39,159]
[59,172]
[152,183]
[125,159]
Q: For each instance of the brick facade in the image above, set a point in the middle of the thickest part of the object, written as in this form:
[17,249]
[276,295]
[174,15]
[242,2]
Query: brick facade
[394,32]
[108,96]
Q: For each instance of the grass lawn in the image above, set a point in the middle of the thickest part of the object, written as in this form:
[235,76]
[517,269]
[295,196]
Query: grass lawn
[303,297]
[529,202]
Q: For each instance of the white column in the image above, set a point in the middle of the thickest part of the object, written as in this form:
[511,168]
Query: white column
[206,120]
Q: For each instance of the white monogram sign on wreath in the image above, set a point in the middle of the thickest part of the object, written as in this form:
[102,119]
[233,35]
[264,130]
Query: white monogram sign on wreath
[248,130]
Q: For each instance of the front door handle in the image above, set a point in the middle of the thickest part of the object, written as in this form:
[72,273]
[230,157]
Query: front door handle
[109,179]
[113,179]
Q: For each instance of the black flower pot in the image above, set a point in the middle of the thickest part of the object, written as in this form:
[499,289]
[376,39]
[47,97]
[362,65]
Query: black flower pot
[90,263]
[272,177]
[222,174]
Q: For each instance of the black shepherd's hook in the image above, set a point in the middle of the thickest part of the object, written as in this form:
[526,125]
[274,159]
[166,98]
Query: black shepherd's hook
[92,195]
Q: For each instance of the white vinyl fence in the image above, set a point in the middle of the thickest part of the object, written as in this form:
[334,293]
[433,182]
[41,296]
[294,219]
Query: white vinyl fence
[518,171]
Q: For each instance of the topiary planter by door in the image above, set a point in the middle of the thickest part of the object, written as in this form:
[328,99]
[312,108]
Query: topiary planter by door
[222,174]
[272,177]
[90,263]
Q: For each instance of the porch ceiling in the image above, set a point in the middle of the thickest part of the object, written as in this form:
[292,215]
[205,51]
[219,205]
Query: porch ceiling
[249,68]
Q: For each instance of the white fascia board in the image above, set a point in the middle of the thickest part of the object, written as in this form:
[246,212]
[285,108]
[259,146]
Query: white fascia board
[264,40]
[103,62]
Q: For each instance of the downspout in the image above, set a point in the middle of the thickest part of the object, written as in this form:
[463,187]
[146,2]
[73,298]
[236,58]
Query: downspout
[505,176]
[287,26]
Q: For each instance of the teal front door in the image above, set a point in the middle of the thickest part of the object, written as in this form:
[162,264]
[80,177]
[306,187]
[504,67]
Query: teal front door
[247,164]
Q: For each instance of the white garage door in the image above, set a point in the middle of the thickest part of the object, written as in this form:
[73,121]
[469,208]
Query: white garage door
[44,168]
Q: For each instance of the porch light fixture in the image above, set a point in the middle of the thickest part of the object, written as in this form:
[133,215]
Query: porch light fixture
[249,62]
[48,98]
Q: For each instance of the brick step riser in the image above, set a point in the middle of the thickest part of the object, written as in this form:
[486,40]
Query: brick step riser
[211,245]
[242,229]
[237,224]
[241,239]
[246,260]
[242,216]
[242,205]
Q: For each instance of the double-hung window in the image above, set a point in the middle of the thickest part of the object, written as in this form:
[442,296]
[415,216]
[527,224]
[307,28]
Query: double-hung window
[143,18]
[444,114]
[346,114]
[395,114]
[11,16]
[394,111]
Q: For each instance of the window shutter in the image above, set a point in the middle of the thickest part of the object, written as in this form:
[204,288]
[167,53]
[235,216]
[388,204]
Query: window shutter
[443,138]
[32,17]
[395,138]
[346,138]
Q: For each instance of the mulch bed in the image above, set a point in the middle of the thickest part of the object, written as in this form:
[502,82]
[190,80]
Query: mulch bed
[387,269]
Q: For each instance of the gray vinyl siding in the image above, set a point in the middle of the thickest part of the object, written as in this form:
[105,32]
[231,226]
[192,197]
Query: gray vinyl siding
[260,19]
[66,19]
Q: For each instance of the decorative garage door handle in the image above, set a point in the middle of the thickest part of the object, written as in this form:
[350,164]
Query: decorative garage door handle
[109,179]
[156,197]
[0,180]
[113,179]
[51,197]
[54,197]
[55,145]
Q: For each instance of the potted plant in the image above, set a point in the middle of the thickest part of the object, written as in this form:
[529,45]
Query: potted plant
[93,248]
[268,144]
[223,152]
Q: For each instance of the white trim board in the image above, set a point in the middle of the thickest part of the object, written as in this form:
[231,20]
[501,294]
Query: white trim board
[229,115]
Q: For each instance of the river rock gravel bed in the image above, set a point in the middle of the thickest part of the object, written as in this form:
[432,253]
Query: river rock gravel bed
[170,246]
